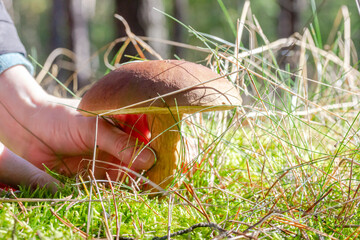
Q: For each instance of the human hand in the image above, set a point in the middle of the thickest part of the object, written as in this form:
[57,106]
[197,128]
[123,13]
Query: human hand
[15,171]
[47,130]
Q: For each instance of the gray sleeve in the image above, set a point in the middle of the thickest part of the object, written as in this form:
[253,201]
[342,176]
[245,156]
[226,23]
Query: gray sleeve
[9,39]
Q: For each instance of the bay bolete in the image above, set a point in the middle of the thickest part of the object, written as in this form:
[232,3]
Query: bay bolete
[162,91]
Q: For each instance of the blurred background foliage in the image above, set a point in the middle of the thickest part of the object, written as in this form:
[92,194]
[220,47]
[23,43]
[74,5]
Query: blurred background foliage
[46,25]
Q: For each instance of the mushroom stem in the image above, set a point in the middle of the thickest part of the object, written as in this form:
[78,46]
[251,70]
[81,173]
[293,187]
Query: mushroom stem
[165,140]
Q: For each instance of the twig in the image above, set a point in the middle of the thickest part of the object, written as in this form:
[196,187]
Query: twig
[260,221]
[316,203]
[301,226]
[70,225]
[277,180]
[192,228]
[38,200]
[188,202]
[193,193]
[348,226]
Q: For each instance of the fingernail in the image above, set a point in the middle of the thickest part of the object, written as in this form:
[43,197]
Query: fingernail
[146,158]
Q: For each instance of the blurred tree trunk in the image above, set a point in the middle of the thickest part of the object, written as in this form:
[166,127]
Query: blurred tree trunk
[59,36]
[288,24]
[180,10]
[70,29]
[289,17]
[143,21]
[80,12]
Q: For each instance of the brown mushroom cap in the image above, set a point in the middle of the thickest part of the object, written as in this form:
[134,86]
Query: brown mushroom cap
[137,82]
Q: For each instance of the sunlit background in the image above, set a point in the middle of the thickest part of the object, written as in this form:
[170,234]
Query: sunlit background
[88,26]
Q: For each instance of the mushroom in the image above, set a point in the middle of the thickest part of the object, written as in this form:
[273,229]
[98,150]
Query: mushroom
[163,90]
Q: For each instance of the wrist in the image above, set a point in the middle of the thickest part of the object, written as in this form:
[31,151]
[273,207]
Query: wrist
[8,60]
[19,90]
[20,98]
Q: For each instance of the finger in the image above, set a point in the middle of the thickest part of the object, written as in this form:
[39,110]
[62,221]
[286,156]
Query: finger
[15,171]
[125,148]
[42,179]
